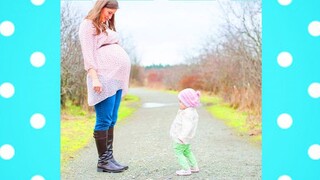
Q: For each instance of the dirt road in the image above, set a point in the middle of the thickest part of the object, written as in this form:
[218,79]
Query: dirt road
[142,141]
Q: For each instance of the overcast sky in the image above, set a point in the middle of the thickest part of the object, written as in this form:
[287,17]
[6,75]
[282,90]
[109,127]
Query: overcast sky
[165,32]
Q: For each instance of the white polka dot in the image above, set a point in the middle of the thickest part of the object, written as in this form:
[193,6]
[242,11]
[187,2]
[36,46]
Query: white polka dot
[284,177]
[314,152]
[6,28]
[37,59]
[7,90]
[37,177]
[37,2]
[314,90]
[284,121]
[37,121]
[314,28]
[284,2]
[6,152]
[284,59]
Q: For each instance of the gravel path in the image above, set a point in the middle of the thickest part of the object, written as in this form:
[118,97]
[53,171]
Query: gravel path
[142,141]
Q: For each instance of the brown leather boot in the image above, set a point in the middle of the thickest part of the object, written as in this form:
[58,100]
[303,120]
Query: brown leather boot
[104,163]
[110,150]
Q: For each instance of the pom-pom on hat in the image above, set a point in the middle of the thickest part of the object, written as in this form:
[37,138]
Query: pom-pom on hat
[189,97]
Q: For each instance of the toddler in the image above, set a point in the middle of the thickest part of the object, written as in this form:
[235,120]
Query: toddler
[183,130]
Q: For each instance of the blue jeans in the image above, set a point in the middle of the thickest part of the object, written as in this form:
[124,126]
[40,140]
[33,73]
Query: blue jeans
[107,112]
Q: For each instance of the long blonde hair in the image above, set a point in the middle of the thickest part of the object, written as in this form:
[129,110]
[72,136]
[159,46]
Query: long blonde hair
[94,15]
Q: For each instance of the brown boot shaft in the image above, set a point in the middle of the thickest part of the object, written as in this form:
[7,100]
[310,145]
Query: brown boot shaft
[101,141]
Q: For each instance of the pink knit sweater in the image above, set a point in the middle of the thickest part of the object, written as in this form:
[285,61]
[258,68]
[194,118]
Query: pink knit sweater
[103,54]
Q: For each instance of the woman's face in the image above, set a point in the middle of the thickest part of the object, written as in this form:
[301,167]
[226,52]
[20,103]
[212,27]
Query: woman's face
[106,14]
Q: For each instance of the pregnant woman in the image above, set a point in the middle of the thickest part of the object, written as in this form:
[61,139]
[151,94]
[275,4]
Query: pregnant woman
[108,69]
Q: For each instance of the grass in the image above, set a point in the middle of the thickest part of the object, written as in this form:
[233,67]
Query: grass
[77,126]
[232,117]
[224,112]
[76,132]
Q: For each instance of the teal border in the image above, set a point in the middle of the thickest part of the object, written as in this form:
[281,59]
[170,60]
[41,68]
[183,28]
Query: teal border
[285,90]
[37,90]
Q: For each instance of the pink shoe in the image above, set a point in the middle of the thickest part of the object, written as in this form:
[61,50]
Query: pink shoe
[183,172]
[194,169]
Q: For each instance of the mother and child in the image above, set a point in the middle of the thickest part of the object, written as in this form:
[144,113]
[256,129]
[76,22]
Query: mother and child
[108,69]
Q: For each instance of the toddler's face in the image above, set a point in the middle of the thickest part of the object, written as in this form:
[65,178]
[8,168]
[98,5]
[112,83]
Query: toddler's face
[181,105]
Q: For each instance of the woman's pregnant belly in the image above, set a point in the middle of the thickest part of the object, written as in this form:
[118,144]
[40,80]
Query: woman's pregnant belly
[112,55]
[112,59]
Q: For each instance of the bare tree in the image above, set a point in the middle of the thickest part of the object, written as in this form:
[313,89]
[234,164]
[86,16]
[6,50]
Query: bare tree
[242,34]
[73,75]
[229,64]
[230,61]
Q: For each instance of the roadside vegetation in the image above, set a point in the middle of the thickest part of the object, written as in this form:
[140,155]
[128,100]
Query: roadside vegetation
[77,126]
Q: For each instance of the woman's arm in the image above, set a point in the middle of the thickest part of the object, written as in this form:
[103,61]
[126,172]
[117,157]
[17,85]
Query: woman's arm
[86,36]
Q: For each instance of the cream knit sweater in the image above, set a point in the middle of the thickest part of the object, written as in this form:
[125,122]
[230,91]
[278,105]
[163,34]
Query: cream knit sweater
[184,125]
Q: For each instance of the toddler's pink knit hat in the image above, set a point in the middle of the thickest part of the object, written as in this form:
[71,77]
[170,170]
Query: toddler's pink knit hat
[189,97]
